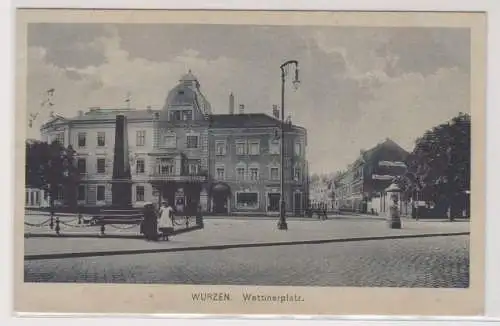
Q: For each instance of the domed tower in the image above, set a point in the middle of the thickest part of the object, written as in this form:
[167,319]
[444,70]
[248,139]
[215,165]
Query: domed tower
[185,101]
[180,151]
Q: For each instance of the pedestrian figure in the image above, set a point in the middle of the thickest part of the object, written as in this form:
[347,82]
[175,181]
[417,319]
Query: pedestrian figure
[150,223]
[179,206]
[166,222]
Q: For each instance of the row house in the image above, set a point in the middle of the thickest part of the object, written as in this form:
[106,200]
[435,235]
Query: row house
[183,153]
[360,186]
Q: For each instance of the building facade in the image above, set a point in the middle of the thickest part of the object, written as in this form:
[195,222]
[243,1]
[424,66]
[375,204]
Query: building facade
[183,153]
[360,186]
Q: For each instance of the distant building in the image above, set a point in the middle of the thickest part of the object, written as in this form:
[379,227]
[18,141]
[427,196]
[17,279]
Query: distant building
[321,194]
[225,163]
[359,187]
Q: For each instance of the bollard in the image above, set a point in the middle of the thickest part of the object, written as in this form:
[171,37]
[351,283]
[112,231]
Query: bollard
[199,221]
[103,228]
[187,222]
[51,220]
[58,227]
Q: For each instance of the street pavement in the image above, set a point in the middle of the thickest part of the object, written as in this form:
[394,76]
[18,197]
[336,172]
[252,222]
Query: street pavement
[233,232]
[440,261]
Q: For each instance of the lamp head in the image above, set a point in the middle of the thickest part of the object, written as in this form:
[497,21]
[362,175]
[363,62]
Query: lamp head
[296,81]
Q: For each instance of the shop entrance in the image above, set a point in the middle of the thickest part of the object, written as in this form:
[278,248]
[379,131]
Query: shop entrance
[273,200]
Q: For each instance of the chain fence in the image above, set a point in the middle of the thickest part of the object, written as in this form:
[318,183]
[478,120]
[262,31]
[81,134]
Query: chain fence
[60,221]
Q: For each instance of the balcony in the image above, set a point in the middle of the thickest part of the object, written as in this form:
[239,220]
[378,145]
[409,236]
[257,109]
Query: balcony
[179,178]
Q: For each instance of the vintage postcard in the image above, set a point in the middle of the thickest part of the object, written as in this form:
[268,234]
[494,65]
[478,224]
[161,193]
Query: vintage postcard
[218,162]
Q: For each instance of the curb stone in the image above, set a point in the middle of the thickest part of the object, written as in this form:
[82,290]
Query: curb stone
[230,246]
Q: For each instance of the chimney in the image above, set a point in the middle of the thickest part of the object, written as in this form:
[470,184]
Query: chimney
[148,109]
[80,113]
[231,103]
[242,108]
[276,112]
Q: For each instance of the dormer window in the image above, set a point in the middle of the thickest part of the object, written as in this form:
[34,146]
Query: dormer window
[181,92]
[187,115]
[175,115]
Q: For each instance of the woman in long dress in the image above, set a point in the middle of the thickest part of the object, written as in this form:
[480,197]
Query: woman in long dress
[166,223]
[149,228]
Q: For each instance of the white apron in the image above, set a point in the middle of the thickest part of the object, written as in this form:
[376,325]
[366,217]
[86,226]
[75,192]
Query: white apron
[165,218]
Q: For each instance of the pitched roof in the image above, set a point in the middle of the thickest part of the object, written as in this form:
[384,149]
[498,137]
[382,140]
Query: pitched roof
[111,115]
[367,155]
[244,120]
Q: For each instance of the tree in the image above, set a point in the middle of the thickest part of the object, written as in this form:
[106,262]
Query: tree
[51,167]
[439,166]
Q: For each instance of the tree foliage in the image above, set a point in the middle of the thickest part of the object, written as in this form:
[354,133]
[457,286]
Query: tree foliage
[51,167]
[439,166]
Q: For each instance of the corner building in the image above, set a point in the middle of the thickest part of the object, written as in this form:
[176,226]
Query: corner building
[225,163]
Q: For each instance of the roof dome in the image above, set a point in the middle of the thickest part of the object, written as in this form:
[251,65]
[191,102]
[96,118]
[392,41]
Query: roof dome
[181,95]
[187,92]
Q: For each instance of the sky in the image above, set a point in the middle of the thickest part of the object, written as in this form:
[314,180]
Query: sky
[359,85]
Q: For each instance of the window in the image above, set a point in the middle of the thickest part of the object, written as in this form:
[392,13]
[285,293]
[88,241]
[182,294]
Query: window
[101,139]
[254,148]
[274,147]
[220,173]
[220,148]
[139,193]
[298,148]
[240,173]
[254,174]
[166,167]
[175,115]
[81,193]
[139,166]
[140,139]
[37,197]
[101,165]
[60,138]
[170,140]
[192,141]
[275,173]
[82,139]
[82,165]
[59,194]
[240,148]
[27,198]
[187,115]
[100,193]
[247,200]
[193,168]
[296,174]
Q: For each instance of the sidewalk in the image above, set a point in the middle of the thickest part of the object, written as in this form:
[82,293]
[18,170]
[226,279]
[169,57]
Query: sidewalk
[233,233]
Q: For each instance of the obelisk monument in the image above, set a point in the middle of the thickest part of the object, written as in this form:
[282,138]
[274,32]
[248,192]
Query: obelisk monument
[121,184]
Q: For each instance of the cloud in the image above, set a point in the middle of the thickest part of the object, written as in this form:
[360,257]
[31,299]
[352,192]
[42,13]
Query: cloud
[67,45]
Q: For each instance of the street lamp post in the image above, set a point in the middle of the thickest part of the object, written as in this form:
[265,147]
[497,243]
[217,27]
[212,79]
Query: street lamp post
[282,225]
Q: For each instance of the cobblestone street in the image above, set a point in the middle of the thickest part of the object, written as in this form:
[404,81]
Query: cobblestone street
[238,231]
[418,262]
